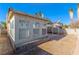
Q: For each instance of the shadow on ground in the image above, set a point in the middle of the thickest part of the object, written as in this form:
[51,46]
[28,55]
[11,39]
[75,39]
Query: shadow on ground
[33,49]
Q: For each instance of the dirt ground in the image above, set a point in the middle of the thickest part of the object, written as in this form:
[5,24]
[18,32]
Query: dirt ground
[63,46]
[5,46]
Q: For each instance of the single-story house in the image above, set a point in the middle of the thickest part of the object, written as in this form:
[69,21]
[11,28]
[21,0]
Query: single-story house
[24,28]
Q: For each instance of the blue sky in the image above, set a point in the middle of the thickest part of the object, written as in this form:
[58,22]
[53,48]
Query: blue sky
[53,11]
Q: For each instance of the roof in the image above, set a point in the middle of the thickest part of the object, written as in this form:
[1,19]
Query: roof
[21,13]
[24,14]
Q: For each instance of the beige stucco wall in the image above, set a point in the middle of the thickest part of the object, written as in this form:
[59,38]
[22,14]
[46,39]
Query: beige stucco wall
[13,30]
[12,38]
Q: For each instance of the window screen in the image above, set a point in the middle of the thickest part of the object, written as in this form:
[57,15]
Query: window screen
[43,31]
[23,33]
[35,31]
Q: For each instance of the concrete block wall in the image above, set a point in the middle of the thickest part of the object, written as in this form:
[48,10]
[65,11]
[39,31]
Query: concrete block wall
[71,31]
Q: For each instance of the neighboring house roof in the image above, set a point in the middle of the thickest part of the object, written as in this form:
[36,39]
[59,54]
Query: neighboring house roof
[11,12]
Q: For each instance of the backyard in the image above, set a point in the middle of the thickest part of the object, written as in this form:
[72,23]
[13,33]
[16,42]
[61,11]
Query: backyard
[54,44]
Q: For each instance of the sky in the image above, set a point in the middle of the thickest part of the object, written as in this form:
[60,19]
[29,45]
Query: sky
[53,11]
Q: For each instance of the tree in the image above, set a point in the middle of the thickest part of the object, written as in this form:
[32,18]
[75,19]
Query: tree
[4,24]
[65,26]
